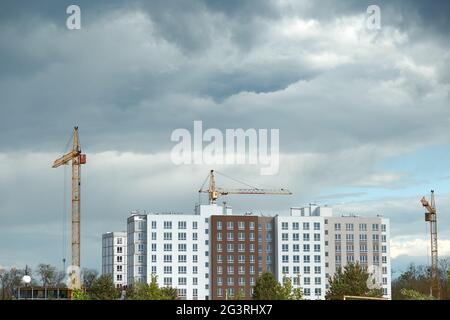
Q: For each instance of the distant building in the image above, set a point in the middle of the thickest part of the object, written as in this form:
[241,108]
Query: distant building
[114,257]
[213,254]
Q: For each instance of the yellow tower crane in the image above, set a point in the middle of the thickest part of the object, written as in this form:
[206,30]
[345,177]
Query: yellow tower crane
[430,216]
[77,158]
[215,193]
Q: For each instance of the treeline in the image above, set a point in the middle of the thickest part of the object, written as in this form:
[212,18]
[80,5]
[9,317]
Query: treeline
[415,282]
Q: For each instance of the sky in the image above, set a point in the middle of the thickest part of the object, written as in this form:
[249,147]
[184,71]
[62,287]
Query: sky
[363,114]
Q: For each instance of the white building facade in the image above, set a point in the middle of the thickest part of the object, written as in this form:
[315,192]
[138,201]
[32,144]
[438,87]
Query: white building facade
[114,257]
[363,240]
[300,250]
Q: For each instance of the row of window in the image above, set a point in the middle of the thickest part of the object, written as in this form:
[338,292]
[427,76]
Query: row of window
[230,225]
[362,237]
[296,237]
[230,270]
[230,247]
[362,248]
[182,225]
[296,226]
[362,227]
[181,281]
[296,259]
[296,248]
[362,258]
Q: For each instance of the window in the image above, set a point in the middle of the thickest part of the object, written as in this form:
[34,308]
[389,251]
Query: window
[119,250]
[230,281]
[153,224]
[316,236]
[181,258]
[219,225]
[167,246]
[153,235]
[362,227]
[241,281]
[285,269]
[306,270]
[241,236]
[307,292]
[318,292]
[306,247]
[349,237]
[317,248]
[182,281]
[296,237]
[182,270]
[363,258]
[375,227]
[119,259]
[194,247]
[269,247]
[119,268]
[337,237]
[167,224]
[338,259]
[337,226]
[349,226]
[316,226]
[241,225]
[194,225]
[383,249]
[305,225]
[230,259]
[296,247]
[167,281]
[252,259]
[350,258]
[230,247]
[195,236]
[383,238]
[219,247]
[252,247]
[296,269]
[337,248]
[317,281]
[285,258]
[306,259]
[168,236]
[153,258]
[167,270]
[363,248]
[181,224]
[317,259]
[252,225]
[375,237]
[284,237]
[296,259]
[363,237]
[230,236]
[153,246]
[252,236]
[219,236]
[376,247]
[141,259]
[284,226]
[167,258]
[384,259]
[383,228]
[295,226]
[350,248]
[307,281]
[285,247]
[182,236]
[119,240]
[230,225]
[252,269]
[241,258]
[317,270]
[306,237]
[194,269]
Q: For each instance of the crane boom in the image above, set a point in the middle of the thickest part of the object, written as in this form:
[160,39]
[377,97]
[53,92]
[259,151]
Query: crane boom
[215,192]
[77,158]
[430,216]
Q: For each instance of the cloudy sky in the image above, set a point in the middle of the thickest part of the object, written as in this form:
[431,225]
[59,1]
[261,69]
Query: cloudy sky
[363,114]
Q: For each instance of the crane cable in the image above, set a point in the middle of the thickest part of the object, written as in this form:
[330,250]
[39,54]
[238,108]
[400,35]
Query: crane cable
[64,211]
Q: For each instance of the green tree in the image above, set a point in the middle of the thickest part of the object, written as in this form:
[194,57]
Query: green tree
[268,288]
[410,294]
[103,289]
[352,281]
[9,281]
[78,294]
[144,291]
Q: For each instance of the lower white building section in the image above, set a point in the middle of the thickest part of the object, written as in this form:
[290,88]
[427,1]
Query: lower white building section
[300,250]
[114,257]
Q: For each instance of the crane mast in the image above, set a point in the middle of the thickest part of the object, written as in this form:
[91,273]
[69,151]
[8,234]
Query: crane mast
[430,216]
[215,193]
[77,158]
